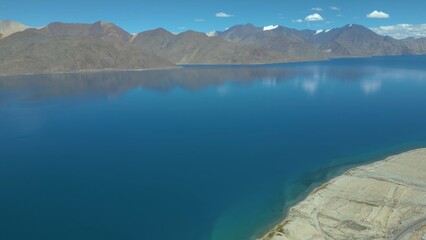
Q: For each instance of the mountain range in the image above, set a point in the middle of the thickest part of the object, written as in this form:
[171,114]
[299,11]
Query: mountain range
[70,47]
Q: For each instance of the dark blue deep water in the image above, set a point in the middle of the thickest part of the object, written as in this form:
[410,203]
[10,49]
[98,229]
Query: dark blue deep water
[200,153]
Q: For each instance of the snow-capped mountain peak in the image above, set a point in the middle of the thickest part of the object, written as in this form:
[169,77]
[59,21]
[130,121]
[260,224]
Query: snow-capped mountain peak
[270,27]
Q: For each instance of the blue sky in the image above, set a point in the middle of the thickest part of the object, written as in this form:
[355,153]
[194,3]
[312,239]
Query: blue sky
[202,15]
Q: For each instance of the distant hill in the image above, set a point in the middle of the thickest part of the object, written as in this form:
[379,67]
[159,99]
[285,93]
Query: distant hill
[101,45]
[10,27]
[198,48]
[348,41]
[33,51]
[292,43]
[101,30]
[358,41]
[415,45]
[250,44]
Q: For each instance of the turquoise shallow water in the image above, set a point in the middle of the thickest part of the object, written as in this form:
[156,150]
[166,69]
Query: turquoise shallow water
[205,152]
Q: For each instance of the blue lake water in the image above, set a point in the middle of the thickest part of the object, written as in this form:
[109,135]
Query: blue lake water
[203,153]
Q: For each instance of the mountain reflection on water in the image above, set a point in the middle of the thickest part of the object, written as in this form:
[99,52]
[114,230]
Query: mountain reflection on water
[112,83]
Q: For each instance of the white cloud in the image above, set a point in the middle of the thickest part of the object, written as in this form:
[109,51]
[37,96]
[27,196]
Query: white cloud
[317,9]
[199,20]
[297,21]
[378,14]
[334,8]
[401,31]
[181,28]
[314,17]
[223,15]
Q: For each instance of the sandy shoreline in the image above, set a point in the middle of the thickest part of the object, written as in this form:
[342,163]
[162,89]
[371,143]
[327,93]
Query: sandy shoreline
[381,200]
